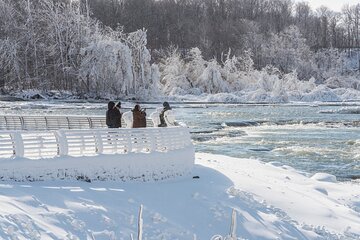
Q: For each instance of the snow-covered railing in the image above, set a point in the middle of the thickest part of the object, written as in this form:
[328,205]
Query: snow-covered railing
[34,123]
[35,144]
[96,154]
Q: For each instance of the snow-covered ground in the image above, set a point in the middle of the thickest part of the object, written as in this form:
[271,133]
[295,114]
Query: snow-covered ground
[272,201]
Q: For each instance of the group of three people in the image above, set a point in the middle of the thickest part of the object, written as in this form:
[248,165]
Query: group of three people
[113,115]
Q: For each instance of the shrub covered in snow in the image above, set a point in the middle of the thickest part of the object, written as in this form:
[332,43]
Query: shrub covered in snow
[173,74]
[209,80]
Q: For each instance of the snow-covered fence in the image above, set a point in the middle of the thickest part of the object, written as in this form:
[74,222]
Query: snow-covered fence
[126,154]
[11,122]
[81,142]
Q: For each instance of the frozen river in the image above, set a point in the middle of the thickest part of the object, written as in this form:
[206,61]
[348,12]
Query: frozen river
[311,138]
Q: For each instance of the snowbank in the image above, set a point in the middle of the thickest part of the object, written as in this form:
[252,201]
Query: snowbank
[34,94]
[257,86]
[320,93]
[272,201]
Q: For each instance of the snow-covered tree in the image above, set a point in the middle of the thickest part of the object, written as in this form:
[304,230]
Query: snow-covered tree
[106,67]
[288,51]
[55,45]
[173,74]
[195,66]
[329,62]
[230,70]
[246,63]
[9,63]
[154,84]
[140,61]
[211,81]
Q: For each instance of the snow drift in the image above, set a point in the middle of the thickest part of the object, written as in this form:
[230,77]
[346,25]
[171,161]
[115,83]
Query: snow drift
[271,201]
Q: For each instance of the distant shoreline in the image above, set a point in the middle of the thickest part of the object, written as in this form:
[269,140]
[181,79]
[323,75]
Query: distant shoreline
[354,102]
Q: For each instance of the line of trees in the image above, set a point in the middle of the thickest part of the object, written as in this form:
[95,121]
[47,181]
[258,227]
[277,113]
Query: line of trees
[217,25]
[56,45]
[125,47]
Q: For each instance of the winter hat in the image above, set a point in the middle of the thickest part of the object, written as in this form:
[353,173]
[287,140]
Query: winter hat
[137,107]
[166,104]
[111,105]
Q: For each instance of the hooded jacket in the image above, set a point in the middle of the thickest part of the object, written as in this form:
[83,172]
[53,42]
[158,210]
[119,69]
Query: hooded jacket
[139,117]
[113,116]
[162,114]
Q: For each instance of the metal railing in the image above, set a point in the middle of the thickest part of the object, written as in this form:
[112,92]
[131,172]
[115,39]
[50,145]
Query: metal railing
[35,123]
[88,142]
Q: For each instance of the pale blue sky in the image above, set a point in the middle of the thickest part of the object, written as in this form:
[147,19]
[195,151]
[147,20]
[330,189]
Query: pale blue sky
[335,5]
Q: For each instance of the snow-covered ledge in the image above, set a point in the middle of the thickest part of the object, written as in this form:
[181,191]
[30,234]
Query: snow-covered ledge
[96,154]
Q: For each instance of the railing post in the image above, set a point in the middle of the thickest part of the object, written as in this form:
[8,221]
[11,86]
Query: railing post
[98,142]
[18,144]
[68,122]
[62,142]
[6,123]
[90,122]
[22,123]
[152,140]
[129,142]
[46,123]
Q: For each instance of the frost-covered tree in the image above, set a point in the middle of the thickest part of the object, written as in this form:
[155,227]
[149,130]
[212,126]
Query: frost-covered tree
[238,71]
[140,61]
[196,76]
[10,65]
[47,37]
[214,26]
[269,75]
[330,62]
[195,66]
[246,61]
[230,70]
[211,81]
[173,74]
[65,31]
[154,83]
[56,45]
[288,51]
[106,68]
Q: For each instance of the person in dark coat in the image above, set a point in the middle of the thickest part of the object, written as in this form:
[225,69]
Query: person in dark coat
[139,117]
[167,107]
[117,107]
[113,116]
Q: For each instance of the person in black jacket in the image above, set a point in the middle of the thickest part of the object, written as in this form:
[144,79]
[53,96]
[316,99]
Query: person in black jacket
[117,107]
[113,116]
[167,107]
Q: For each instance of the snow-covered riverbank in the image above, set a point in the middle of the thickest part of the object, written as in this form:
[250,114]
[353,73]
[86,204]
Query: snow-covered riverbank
[271,201]
[304,92]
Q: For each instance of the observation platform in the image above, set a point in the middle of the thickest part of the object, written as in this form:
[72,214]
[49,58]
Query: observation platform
[34,148]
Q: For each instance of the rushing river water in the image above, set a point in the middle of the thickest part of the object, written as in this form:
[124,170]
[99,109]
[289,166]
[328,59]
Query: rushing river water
[310,138]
